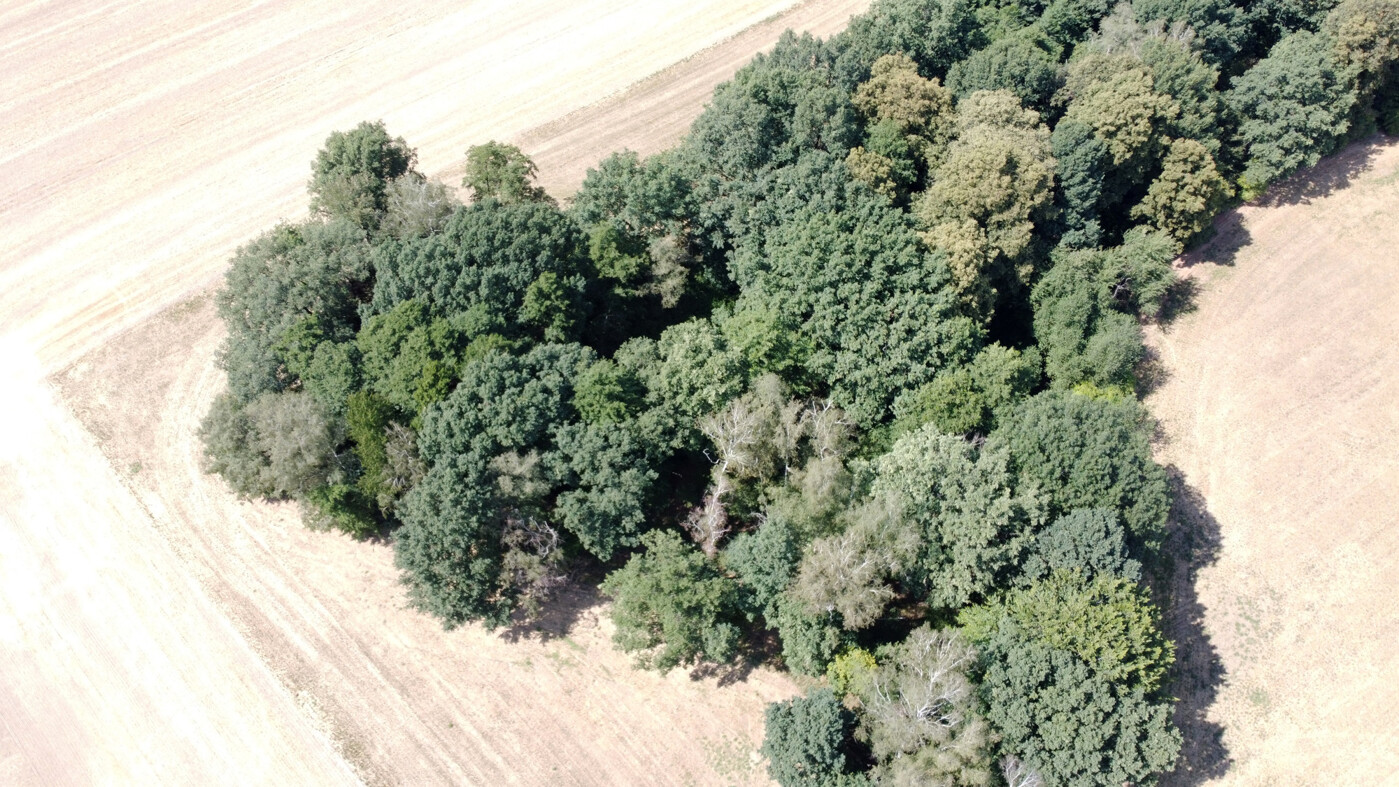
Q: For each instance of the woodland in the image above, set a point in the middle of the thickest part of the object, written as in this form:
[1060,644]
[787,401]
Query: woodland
[846,383]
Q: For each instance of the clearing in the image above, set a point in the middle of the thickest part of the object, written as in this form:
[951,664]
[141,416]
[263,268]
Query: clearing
[153,629]
[1279,409]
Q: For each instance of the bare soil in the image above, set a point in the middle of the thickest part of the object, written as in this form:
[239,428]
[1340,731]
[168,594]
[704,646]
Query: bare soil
[1279,412]
[152,628]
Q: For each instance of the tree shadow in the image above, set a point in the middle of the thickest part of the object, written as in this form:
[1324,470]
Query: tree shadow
[1334,172]
[557,615]
[1179,300]
[726,674]
[1222,244]
[1151,372]
[1192,544]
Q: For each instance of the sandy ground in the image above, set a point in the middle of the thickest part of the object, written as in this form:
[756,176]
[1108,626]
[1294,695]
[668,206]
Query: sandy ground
[154,630]
[1280,411]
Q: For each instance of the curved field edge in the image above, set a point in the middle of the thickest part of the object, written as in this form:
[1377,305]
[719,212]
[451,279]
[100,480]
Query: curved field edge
[1277,410]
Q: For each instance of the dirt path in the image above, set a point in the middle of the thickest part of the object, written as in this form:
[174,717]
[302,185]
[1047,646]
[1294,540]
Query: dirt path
[151,628]
[1281,412]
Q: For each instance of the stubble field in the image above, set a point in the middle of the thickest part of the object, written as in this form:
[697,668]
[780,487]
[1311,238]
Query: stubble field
[152,628]
[1279,410]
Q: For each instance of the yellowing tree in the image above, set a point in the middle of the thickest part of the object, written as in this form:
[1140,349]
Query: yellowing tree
[1184,198]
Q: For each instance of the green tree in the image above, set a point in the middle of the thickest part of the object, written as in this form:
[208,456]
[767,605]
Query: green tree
[1090,540]
[1089,453]
[804,740]
[875,310]
[351,174]
[1107,621]
[502,173]
[967,399]
[1014,64]
[960,503]
[672,607]
[1294,107]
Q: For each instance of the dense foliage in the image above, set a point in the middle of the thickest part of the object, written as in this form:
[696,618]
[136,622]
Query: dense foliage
[846,381]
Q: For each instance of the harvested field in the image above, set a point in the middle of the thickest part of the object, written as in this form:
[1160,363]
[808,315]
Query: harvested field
[1279,409]
[154,629]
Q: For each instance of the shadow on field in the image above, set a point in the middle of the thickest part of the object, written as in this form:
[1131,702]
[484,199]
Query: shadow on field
[1335,172]
[557,615]
[1226,238]
[1192,544]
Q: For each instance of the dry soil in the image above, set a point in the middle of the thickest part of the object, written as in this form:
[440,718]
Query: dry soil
[153,629]
[1279,410]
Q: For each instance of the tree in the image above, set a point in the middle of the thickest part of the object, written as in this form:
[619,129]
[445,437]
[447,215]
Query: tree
[482,265]
[491,470]
[920,714]
[1089,453]
[351,174]
[1082,336]
[1014,64]
[416,207]
[672,607]
[1186,196]
[967,399]
[803,741]
[874,309]
[764,560]
[277,446]
[310,276]
[1083,165]
[919,110]
[1294,107]
[1090,540]
[1366,36]
[503,173]
[971,526]
[1065,721]
[1220,26]
[986,197]
[1115,96]
[1107,621]
[611,480]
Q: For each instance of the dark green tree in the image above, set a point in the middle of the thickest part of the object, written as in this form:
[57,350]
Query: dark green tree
[1089,453]
[1090,540]
[804,740]
[1066,721]
[672,607]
